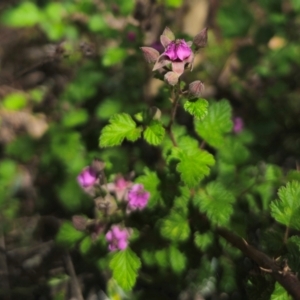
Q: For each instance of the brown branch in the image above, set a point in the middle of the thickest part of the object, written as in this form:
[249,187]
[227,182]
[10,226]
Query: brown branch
[287,279]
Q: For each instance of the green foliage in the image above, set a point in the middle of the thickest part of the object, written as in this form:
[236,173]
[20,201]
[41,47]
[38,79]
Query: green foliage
[108,107]
[151,184]
[293,255]
[97,23]
[234,19]
[216,124]
[113,56]
[165,258]
[154,133]
[216,202]
[125,265]
[121,126]
[26,14]
[175,227]
[85,245]
[280,293]
[203,241]
[197,108]
[173,3]
[68,236]
[75,118]
[14,101]
[194,165]
[286,210]
[177,260]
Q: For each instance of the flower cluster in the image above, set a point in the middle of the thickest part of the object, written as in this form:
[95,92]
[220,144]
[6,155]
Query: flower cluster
[87,177]
[117,238]
[177,54]
[116,197]
[137,197]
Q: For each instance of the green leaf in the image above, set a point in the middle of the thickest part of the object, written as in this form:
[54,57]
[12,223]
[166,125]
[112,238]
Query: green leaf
[151,184]
[233,151]
[121,126]
[280,293]
[125,265]
[177,260]
[113,56]
[175,227]
[161,257]
[173,3]
[293,255]
[203,241]
[286,210]
[197,108]
[148,257]
[26,14]
[154,133]
[70,195]
[216,124]
[108,107]
[75,118]
[216,202]
[15,101]
[68,236]
[85,245]
[97,23]
[193,165]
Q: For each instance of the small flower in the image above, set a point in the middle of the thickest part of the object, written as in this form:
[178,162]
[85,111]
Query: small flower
[87,177]
[238,125]
[119,187]
[137,197]
[177,53]
[117,238]
[178,50]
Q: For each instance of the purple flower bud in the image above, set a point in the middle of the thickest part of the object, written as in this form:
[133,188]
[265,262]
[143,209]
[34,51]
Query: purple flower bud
[238,125]
[171,78]
[131,36]
[87,177]
[178,50]
[79,222]
[150,54]
[117,238]
[195,89]
[137,197]
[200,40]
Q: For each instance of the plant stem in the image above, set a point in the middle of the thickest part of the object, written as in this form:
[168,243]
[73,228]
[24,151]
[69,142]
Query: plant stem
[175,97]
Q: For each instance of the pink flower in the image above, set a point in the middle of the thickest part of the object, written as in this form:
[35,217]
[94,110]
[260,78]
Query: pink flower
[178,50]
[117,238]
[137,197]
[238,125]
[119,187]
[87,177]
[177,53]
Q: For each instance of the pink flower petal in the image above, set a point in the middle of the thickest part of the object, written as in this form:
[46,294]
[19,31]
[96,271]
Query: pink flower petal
[183,50]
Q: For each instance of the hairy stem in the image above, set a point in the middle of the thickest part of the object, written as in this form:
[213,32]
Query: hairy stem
[175,98]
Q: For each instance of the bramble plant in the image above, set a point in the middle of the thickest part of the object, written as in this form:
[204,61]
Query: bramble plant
[201,194]
[194,192]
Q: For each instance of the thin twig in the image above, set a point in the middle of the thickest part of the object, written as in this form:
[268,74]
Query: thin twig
[75,287]
[4,280]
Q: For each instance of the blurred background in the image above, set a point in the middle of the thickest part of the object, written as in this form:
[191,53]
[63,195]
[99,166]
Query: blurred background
[67,66]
